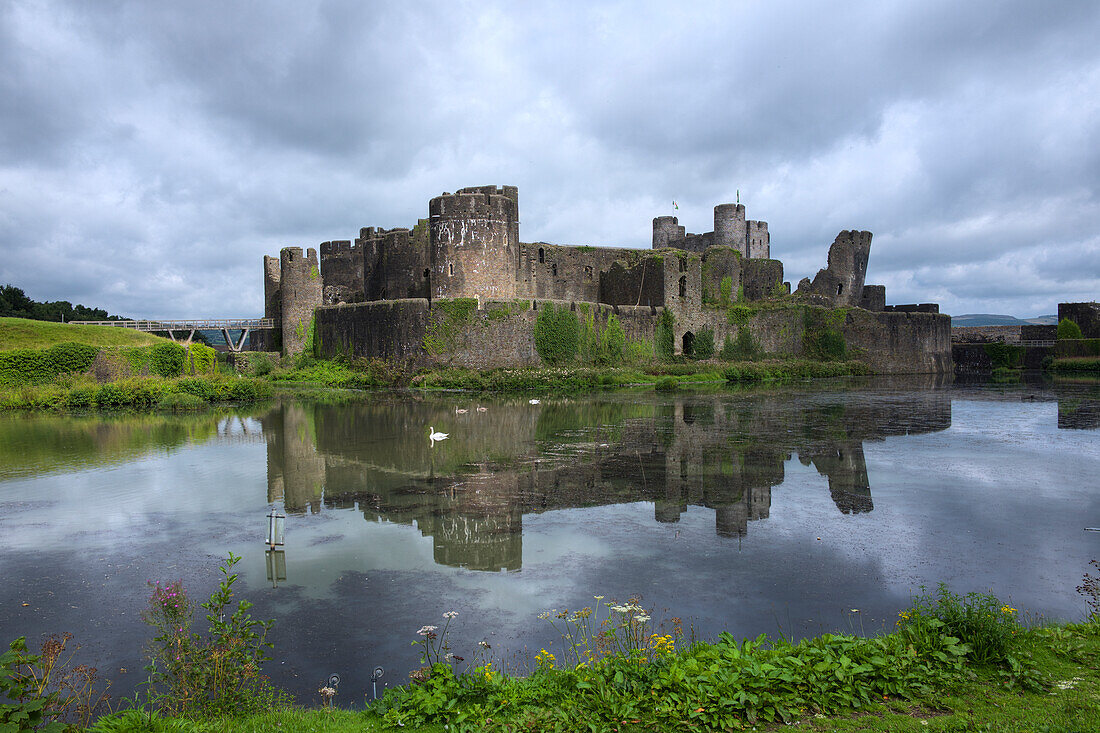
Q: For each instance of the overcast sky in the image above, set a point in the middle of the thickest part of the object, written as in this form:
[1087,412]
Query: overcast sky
[152,152]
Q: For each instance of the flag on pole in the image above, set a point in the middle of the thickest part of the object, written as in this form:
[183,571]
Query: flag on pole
[674,205]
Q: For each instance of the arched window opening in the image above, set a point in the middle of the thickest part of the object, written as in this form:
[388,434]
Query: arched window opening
[451,268]
[683,264]
[839,288]
[554,270]
[683,286]
[542,255]
[689,343]
[427,272]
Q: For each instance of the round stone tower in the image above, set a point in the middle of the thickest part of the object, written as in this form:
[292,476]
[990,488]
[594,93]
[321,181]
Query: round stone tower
[300,292]
[729,227]
[474,243]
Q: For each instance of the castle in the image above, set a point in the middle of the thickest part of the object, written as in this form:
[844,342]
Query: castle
[374,296]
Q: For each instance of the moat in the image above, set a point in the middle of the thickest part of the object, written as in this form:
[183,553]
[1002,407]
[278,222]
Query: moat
[801,509]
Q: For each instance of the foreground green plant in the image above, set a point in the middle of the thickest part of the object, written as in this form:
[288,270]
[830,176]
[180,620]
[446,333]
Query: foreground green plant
[215,673]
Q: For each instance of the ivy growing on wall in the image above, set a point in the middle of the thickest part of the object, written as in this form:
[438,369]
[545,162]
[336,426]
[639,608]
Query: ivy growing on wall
[664,337]
[703,347]
[557,334]
[821,336]
[449,317]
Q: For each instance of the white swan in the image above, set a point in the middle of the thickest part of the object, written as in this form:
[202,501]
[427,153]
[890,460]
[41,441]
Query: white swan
[434,436]
[460,411]
[482,409]
[532,401]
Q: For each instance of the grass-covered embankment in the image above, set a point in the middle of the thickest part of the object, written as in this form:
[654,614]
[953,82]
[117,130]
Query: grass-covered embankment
[110,368]
[23,333]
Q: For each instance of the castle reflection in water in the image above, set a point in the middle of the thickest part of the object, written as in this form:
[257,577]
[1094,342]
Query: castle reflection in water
[469,493]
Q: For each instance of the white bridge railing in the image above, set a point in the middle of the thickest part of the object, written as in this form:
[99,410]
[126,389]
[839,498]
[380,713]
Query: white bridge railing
[190,325]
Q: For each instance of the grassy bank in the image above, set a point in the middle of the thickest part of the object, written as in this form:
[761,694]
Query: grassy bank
[1075,364]
[663,375]
[60,367]
[22,333]
[83,392]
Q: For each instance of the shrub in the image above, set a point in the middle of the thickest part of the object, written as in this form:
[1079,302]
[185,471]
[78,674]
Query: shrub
[1004,356]
[703,348]
[202,357]
[557,334]
[980,621]
[24,711]
[181,402]
[1068,329]
[34,366]
[612,340]
[664,335]
[666,384]
[744,347]
[217,673]
[167,360]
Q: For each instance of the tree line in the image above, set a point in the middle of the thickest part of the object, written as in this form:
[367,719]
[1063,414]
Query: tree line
[14,303]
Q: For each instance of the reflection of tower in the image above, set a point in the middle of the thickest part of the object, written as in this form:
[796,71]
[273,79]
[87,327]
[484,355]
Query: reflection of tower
[480,528]
[846,469]
[295,472]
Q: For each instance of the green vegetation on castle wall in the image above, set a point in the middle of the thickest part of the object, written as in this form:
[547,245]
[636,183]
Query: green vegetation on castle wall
[449,317]
[557,334]
[821,336]
[664,337]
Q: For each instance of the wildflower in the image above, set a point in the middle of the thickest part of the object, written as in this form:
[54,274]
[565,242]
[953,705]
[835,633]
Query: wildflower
[450,614]
[425,630]
[598,598]
[544,615]
[450,657]
[642,619]
[483,644]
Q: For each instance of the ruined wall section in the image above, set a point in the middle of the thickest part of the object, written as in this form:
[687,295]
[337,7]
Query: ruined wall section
[841,282]
[474,243]
[637,283]
[720,276]
[342,272]
[301,293]
[565,272]
[761,279]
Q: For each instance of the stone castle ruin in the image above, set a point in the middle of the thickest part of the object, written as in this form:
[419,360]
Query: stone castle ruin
[381,294]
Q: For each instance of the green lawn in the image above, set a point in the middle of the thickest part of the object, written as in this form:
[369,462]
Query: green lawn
[23,333]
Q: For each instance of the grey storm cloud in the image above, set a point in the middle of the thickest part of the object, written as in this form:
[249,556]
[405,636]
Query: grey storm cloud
[150,153]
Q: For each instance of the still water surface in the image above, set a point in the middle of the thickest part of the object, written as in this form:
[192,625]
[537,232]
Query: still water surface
[801,509]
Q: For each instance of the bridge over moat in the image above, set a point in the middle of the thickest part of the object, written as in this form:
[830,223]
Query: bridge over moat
[190,326]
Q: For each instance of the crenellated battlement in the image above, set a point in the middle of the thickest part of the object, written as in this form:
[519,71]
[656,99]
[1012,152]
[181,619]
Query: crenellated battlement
[475,205]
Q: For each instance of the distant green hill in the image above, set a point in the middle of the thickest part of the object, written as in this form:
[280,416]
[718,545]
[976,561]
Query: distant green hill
[23,333]
[993,319]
